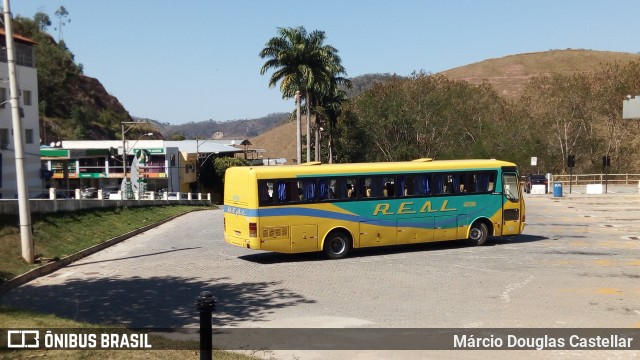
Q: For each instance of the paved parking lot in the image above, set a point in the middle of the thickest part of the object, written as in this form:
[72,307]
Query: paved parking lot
[577,265]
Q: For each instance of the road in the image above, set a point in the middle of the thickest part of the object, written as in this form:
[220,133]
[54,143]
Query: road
[577,266]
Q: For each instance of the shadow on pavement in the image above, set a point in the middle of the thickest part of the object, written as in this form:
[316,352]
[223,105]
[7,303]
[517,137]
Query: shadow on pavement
[131,257]
[276,258]
[156,302]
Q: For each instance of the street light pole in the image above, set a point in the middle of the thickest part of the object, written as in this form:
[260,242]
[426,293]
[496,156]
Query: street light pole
[24,211]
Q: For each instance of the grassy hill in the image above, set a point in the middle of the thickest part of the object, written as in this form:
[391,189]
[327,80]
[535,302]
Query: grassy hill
[280,142]
[508,75]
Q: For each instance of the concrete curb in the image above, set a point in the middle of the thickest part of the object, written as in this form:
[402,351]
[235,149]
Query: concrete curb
[56,265]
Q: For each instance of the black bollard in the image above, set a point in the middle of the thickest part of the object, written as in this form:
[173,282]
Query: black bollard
[205,304]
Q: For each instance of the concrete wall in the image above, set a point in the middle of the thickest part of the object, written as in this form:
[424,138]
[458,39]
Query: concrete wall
[10,207]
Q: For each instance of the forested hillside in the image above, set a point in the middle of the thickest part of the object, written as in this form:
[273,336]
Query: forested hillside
[234,129]
[576,113]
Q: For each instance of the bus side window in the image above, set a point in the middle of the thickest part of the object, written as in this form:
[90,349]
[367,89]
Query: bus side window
[308,190]
[282,193]
[423,184]
[323,189]
[333,184]
[265,191]
[351,192]
[366,187]
[439,184]
[351,188]
[407,185]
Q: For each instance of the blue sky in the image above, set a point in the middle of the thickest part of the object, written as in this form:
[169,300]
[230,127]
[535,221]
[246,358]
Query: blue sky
[195,60]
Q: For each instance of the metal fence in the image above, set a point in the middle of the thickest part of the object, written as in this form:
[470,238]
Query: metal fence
[584,179]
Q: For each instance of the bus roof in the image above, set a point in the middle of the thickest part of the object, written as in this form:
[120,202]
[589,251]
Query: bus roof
[418,165]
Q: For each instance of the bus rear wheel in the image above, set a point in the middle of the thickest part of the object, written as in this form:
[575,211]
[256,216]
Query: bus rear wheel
[337,245]
[478,234]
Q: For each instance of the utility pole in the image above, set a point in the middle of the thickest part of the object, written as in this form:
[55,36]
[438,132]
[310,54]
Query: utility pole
[26,237]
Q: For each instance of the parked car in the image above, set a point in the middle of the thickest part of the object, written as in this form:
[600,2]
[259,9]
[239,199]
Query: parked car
[45,195]
[89,193]
[108,190]
[536,179]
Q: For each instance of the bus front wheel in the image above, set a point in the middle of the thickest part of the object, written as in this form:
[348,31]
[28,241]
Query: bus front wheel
[478,234]
[337,245]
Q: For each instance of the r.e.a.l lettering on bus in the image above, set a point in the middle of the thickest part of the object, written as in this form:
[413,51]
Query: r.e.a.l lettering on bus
[408,208]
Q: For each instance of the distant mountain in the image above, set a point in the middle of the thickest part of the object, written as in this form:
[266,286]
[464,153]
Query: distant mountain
[232,129]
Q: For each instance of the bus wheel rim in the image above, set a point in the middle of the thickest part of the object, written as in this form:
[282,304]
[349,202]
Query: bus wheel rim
[337,246]
[476,233]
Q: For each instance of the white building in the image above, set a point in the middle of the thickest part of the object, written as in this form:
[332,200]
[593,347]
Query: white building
[28,101]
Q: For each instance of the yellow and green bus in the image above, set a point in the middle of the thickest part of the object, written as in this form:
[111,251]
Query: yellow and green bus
[335,208]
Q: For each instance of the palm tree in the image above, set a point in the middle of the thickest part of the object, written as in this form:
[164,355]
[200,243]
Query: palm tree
[329,109]
[302,62]
[328,99]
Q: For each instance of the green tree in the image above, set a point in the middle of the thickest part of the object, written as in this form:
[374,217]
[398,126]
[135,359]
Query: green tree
[561,108]
[56,67]
[220,165]
[328,111]
[42,21]
[620,138]
[178,136]
[423,116]
[62,14]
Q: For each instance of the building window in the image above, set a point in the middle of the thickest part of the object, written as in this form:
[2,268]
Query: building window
[4,137]
[24,53]
[3,97]
[26,97]
[28,136]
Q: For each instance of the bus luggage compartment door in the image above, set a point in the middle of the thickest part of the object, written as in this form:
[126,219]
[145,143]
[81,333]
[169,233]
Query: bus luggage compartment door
[446,228]
[304,238]
[415,230]
[377,233]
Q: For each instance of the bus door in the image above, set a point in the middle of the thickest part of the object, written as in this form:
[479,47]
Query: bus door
[512,204]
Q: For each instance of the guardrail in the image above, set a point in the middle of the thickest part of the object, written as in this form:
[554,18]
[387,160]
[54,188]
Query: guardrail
[52,193]
[585,179]
[56,203]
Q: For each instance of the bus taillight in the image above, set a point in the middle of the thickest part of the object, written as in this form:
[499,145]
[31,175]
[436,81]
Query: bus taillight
[253,230]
